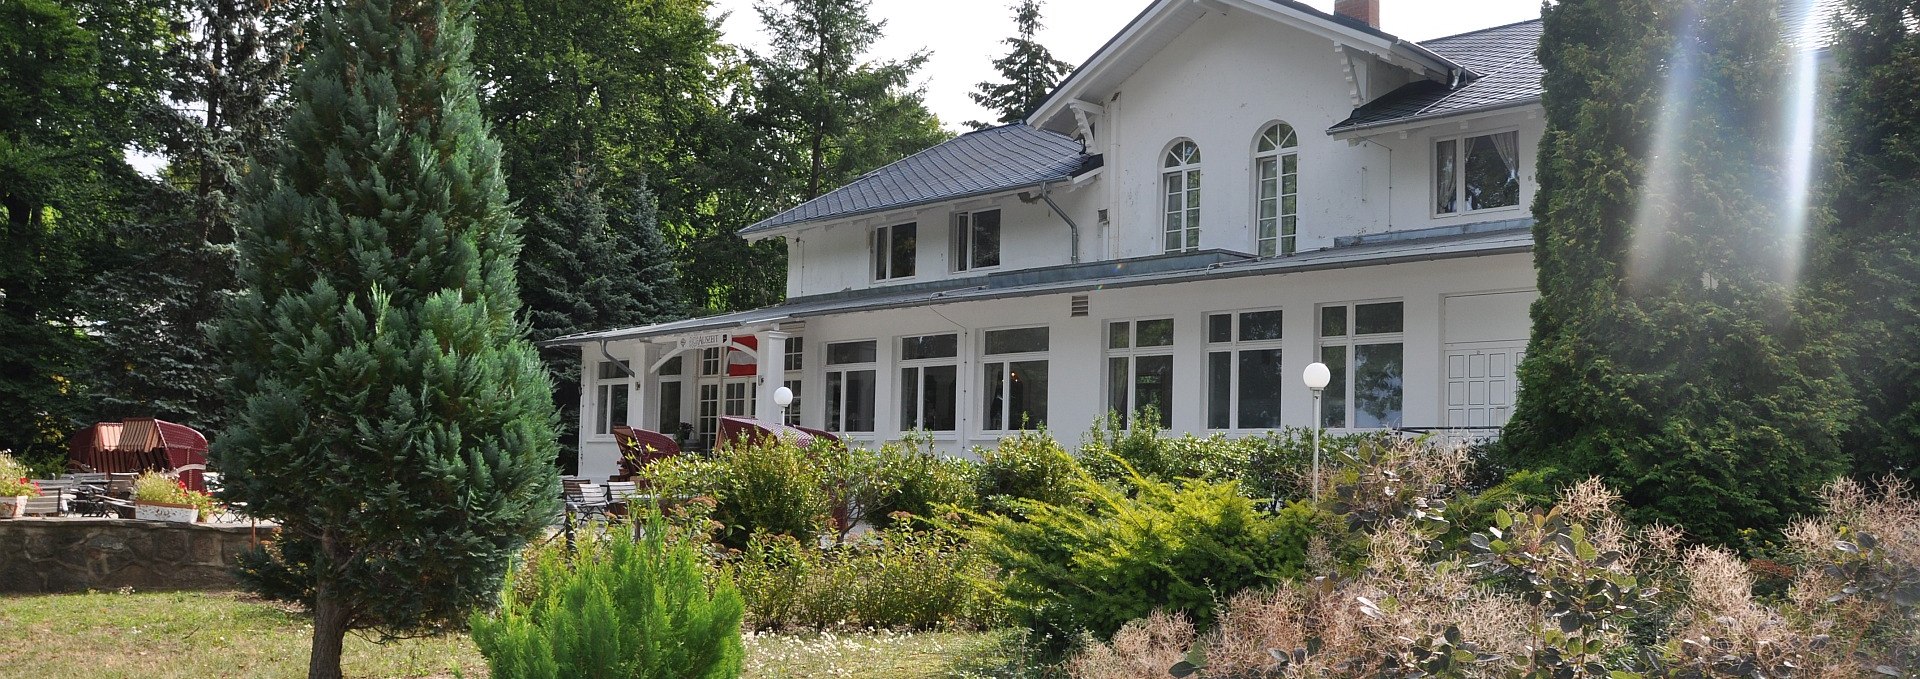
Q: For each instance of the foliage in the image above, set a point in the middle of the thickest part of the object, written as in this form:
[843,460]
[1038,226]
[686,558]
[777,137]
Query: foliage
[158,487]
[623,606]
[389,414]
[1670,355]
[1117,554]
[1028,466]
[15,478]
[1866,258]
[897,579]
[764,486]
[1029,69]
[1113,451]
[910,479]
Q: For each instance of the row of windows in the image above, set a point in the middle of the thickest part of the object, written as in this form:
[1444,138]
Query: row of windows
[976,245]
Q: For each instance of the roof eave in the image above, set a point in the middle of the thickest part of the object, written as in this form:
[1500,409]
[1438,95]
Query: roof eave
[752,235]
[1370,129]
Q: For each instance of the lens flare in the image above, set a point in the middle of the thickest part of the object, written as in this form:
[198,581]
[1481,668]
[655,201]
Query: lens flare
[1802,118]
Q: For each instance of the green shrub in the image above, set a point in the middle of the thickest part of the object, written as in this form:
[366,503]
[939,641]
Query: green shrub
[908,478]
[1027,466]
[1280,463]
[1118,554]
[1111,449]
[890,579]
[773,487]
[621,607]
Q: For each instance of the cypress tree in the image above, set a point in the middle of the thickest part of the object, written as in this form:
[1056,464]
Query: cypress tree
[1668,356]
[389,414]
[1871,252]
[1029,69]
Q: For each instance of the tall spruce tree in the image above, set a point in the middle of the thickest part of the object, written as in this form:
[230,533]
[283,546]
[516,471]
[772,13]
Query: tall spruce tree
[1667,354]
[1871,252]
[390,416]
[1029,70]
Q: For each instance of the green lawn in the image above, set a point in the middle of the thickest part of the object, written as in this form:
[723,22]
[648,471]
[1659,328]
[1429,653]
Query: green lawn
[195,635]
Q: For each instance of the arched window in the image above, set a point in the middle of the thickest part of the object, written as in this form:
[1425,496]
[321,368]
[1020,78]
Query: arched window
[1276,196]
[1181,179]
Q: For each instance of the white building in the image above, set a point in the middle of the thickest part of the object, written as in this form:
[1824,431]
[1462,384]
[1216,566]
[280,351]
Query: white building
[1227,191]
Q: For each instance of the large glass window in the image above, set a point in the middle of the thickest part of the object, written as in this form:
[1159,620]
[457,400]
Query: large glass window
[1140,369]
[793,362]
[894,251]
[976,240]
[1476,173]
[1276,202]
[1180,178]
[1014,384]
[707,416]
[613,387]
[1245,376]
[671,391]
[1362,345]
[851,378]
[929,383]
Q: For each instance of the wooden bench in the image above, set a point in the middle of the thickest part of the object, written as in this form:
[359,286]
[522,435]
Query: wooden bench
[51,502]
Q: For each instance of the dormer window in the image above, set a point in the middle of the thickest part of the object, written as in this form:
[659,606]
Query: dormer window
[976,240]
[1476,173]
[1181,180]
[894,251]
[1276,203]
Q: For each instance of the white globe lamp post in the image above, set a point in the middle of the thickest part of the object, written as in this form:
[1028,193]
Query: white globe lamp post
[782,397]
[1317,376]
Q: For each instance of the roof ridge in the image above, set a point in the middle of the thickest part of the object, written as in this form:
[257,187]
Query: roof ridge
[1534,20]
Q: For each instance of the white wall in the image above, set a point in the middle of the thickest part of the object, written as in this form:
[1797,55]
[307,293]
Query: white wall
[1412,195]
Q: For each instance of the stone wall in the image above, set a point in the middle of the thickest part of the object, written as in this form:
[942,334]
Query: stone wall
[78,554]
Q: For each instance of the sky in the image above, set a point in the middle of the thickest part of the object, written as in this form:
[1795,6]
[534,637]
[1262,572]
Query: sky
[964,36]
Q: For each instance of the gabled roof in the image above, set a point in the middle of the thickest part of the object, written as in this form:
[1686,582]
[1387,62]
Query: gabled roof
[989,161]
[1509,75]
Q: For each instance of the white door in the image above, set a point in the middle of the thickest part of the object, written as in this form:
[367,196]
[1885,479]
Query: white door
[1481,383]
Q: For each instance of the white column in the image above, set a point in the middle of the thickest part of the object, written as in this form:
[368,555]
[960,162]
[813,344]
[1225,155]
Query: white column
[772,370]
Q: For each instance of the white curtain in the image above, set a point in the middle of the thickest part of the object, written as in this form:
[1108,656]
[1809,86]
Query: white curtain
[1507,144]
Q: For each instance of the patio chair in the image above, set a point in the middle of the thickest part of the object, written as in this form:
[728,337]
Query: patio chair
[51,502]
[639,448]
[586,500]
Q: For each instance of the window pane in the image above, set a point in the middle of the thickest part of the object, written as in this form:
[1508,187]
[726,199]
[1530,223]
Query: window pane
[1154,333]
[1369,319]
[793,409]
[1492,176]
[1027,390]
[1333,321]
[1333,400]
[860,403]
[836,400]
[1220,328]
[1016,341]
[669,408]
[1220,390]
[994,389]
[1260,325]
[986,238]
[1117,381]
[1261,380]
[1153,386]
[902,251]
[938,407]
[909,399]
[929,346]
[613,370]
[851,352]
[708,418]
[881,246]
[1445,189]
[796,354]
[1377,385]
[1119,335]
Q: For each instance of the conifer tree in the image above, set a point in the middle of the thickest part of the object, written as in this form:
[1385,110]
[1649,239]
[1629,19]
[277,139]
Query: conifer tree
[390,416]
[1871,254]
[1667,354]
[1029,69]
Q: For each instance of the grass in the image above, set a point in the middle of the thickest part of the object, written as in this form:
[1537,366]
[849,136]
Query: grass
[198,634]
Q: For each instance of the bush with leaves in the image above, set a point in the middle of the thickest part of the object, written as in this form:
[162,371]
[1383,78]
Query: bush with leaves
[1113,451]
[622,606]
[899,579]
[766,486]
[1031,466]
[909,478]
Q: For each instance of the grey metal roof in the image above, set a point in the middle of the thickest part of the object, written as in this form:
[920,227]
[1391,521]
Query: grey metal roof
[1510,236]
[1509,75]
[992,160]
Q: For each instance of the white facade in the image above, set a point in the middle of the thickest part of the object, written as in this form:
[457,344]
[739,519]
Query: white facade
[1449,321]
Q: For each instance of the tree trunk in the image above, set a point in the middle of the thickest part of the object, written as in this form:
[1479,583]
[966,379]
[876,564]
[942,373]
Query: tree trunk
[329,631]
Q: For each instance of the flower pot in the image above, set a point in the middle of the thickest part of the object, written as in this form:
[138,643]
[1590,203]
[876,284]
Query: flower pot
[163,511]
[13,507]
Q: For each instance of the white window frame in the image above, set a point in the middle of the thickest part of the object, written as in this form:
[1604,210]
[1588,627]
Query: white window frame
[1233,347]
[1006,425]
[919,365]
[829,392]
[1180,170]
[1460,169]
[1288,146]
[794,370]
[680,381]
[964,245]
[881,268]
[712,362]
[1131,354]
[603,398]
[706,412]
[1351,341]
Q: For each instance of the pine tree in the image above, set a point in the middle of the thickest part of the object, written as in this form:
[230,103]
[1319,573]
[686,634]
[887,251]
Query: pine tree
[1871,254]
[1029,69]
[390,416]
[1668,356]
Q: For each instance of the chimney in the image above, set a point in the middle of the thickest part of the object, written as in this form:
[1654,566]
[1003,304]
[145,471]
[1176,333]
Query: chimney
[1364,11]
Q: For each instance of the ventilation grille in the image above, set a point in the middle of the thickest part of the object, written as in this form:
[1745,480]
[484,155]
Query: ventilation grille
[1078,307]
[1103,216]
